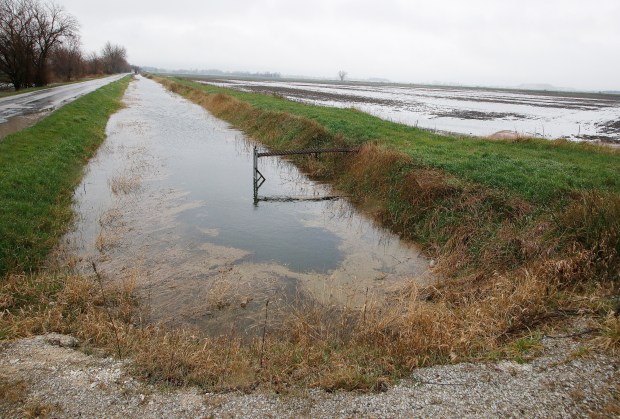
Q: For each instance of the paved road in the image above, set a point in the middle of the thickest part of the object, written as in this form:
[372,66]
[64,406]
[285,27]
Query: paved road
[49,99]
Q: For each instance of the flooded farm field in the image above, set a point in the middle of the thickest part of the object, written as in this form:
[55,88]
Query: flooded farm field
[167,206]
[470,111]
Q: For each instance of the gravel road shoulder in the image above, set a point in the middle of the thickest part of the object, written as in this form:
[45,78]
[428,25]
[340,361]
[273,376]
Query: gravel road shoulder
[47,376]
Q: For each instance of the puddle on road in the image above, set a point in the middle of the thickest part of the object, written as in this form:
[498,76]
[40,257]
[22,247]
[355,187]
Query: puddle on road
[167,203]
[18,123]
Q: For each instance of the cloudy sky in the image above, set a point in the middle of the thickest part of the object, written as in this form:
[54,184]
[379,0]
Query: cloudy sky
[567,43]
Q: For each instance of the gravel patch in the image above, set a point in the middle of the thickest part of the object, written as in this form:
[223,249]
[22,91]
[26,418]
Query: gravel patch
[46,375]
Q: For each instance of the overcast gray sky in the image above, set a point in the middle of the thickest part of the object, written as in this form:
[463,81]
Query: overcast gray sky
[567,43]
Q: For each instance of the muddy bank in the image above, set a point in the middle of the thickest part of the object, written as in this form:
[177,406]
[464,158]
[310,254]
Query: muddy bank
[17,123]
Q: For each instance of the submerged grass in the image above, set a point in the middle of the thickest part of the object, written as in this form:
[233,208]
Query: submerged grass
[39,170]
[511,266]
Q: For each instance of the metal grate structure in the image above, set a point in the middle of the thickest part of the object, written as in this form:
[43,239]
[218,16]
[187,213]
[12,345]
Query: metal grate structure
[259,179]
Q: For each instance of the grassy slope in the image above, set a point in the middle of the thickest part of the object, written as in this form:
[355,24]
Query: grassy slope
[39,169]
[537,170]
[355,350]
[479,205]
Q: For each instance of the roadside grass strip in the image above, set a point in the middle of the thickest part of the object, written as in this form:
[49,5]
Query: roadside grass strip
[39,169]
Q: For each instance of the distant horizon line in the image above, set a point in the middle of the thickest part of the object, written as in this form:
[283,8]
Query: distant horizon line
[545,87]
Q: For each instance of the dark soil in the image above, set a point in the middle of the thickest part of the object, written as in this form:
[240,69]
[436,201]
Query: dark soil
[482,116]
[320,96]
[543,99]
[611,127]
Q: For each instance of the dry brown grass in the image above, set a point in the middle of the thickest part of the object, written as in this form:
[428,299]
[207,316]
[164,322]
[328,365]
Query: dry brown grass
[315,345]
[509,269]
[609,335]
[11,391]
[38,409]
[125,184]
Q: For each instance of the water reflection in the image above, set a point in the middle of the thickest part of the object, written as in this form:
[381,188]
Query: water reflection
[167,203]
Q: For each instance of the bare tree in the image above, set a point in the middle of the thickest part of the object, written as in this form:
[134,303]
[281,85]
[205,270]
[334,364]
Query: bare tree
[16,42]
[114,59]
[67,61]
[53,27]
[29,30]
[94,64]
[342,74]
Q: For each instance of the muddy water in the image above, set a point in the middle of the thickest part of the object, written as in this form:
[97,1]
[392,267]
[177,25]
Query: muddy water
[18,123]
[470,111]
[167,206]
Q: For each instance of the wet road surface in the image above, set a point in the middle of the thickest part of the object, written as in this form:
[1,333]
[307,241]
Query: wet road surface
[20,111]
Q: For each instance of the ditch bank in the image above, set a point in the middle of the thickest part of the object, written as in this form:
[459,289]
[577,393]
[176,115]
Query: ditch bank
[492,229]
[513,271]
[45,377]
[511,265]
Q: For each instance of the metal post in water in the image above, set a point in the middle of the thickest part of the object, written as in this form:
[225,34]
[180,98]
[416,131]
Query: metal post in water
[254,172]
[258,177]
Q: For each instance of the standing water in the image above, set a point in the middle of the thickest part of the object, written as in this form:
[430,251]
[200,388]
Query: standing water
[499,113]
[167,204]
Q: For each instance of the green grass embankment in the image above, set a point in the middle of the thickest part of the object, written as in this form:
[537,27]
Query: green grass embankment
[472,202]
[39,170]
[537,170]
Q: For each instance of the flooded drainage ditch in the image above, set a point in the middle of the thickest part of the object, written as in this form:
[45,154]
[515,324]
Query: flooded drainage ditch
[166,206]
